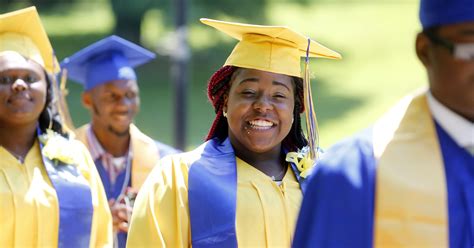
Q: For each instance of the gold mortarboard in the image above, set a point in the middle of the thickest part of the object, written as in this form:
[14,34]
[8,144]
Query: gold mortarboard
[21,31]
[275,49]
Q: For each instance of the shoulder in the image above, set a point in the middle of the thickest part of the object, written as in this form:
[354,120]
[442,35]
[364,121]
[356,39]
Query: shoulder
[138,135]
[174,167]
[349,157]
[347,170]
[80,133]
[165,150]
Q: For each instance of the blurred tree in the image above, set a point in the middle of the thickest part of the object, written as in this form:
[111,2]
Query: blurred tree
[251,10]
[129,13]
[41,5]
[4,5]
[47,5]
[129,16]
[246,10]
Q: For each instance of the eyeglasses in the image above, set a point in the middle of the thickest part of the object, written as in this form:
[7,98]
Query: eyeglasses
[461,51]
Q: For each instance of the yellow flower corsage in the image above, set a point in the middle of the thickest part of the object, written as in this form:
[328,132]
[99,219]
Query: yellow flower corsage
[302,161]
[57,148]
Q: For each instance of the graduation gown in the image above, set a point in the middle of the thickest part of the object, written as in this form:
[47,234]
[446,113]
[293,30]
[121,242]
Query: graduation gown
[145,154]
[265,213]
[30,212]
[345,200]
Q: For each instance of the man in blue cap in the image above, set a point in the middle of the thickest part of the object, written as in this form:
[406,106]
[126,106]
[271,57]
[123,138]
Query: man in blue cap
[123,155]
[408,181]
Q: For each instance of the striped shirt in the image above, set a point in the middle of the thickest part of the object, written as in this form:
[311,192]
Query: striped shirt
[113,165]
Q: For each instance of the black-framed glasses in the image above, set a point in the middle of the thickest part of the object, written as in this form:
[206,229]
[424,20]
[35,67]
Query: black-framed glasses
[461,51]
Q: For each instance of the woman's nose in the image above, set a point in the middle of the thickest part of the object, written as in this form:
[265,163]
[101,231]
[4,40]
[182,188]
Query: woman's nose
[19,85]
[263,104]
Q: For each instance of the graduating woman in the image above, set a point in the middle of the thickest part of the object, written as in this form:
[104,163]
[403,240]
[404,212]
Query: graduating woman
[244,185]
[50,192]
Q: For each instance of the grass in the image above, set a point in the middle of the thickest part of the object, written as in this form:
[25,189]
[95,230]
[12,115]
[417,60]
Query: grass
[376,39]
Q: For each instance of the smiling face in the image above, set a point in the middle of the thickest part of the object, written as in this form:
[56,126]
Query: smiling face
[113,105]
[259,109]
[22,90]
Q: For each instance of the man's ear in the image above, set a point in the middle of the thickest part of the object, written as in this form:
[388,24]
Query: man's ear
[86,98]
[422,47]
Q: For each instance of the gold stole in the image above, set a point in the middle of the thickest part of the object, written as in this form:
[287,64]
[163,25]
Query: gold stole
[411,194]
[144,151]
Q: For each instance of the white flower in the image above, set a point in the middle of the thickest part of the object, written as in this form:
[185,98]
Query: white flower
[57,148]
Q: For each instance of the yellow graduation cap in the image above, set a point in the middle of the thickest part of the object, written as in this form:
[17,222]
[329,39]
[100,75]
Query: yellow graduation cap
[21,31]
[275,49]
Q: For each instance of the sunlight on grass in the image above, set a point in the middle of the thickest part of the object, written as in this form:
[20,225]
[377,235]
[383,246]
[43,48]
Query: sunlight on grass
[83,18]
[379,63]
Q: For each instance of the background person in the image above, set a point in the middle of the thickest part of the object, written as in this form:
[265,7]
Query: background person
[407,181]
[122,153]
[50,192]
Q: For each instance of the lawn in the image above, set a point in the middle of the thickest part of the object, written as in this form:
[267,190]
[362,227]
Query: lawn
[376,39]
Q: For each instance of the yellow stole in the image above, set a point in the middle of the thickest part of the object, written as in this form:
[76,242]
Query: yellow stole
[144,151]
[411,194]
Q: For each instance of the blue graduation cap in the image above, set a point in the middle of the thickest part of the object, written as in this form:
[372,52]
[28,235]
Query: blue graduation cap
[112,58]
[444,12]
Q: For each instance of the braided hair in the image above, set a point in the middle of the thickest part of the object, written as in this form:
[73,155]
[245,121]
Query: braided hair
[219,85]
[49,117]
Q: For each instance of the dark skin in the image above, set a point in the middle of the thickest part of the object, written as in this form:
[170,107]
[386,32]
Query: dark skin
[113,105]
[451,80]
[259,108]
[22,99]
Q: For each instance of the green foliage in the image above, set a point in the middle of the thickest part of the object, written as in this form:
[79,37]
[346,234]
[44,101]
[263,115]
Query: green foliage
[375,37]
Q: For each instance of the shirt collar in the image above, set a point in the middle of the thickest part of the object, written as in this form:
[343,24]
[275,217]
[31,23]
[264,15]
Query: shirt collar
[95,148]
[460,129]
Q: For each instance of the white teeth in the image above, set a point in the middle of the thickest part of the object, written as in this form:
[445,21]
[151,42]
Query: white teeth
[261,124]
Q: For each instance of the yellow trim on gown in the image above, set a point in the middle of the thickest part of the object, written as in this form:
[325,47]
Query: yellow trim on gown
[411,194]
[265,213]
[29,215]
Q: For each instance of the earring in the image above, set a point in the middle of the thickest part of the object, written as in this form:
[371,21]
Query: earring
[224,114]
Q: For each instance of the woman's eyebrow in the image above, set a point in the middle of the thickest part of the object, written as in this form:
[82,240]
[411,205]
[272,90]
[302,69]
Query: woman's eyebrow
[274,82]
[249,80]
[281,84]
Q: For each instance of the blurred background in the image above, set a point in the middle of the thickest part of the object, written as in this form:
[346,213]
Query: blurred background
[375,37]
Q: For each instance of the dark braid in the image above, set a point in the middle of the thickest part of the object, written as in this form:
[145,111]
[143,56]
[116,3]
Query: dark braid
[295,138]
[219,85]
[49,116]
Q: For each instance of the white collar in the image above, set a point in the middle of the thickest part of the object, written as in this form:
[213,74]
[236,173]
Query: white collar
[460,129]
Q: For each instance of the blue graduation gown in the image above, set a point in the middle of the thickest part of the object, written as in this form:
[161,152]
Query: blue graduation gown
[338,207]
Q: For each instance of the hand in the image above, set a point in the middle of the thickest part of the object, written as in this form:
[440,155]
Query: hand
[131,195]
[120,215]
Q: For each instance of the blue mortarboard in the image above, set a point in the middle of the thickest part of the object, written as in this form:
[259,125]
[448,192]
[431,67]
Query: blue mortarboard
[443,12]
[111,58]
